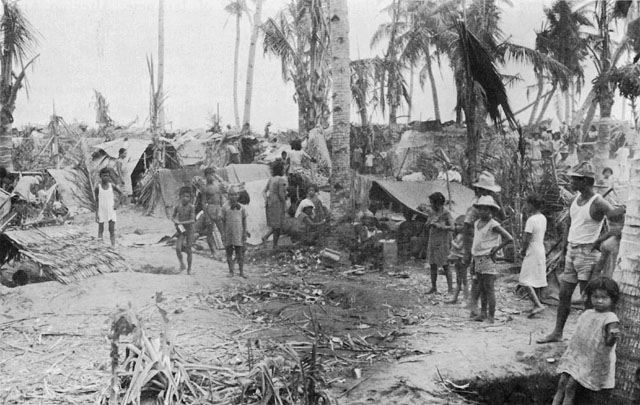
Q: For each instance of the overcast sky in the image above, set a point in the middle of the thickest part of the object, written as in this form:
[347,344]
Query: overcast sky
[103,45]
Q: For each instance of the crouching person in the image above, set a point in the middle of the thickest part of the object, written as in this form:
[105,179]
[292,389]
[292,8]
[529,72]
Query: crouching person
[307,230]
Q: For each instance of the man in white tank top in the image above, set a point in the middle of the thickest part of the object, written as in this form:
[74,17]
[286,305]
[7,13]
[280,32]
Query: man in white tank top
[586,216]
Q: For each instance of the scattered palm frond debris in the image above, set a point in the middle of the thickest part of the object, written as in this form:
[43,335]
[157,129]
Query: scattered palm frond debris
[63,253]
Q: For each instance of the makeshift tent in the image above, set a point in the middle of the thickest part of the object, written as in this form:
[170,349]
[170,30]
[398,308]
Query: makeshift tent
[161,192]
[63,253]
[243,173]
[71,190]
[411,194]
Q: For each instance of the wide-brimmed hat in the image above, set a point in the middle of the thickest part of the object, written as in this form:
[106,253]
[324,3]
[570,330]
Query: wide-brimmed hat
[583,169]
[486,201]
[305,204]
[487,181]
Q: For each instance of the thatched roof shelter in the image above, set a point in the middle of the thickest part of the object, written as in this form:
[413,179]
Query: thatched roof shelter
[63,253]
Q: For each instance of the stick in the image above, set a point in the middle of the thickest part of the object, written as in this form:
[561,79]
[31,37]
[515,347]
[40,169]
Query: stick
[353,387]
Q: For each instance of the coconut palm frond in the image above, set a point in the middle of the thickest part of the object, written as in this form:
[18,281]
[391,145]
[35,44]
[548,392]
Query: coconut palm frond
[511,80]
[483,72]
[524,54]
[276,42]
[18,36]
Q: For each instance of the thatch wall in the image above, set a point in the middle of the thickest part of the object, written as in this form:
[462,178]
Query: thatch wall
[65,254]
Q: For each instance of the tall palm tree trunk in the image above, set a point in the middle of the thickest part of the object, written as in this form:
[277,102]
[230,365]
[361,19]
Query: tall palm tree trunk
[236,53]
[161,117]
[341,105]
[536,103]
[627,275]
[543,111]
[434,90]
[248,91]
[410,93]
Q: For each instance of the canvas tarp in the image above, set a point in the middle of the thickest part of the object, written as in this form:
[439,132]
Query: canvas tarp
[70,189]
[170,182]
[243,173]
[135,149]
[412,194]
[256,214]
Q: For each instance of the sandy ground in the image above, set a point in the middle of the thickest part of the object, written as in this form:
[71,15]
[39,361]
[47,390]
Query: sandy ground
[53,347]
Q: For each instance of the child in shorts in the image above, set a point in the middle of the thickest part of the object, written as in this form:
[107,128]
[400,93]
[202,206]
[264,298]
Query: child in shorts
[234,231]
[184,217]
[456,257]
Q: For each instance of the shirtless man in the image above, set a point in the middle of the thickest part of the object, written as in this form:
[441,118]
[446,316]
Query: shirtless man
[586,216]
[212,200]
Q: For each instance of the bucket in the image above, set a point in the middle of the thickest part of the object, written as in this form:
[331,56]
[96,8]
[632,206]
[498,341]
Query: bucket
[389,251]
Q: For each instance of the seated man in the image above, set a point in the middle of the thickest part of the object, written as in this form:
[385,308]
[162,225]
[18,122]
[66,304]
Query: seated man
[369,246]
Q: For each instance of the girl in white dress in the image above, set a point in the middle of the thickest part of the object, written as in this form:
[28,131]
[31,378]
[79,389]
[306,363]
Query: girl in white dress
[533,273]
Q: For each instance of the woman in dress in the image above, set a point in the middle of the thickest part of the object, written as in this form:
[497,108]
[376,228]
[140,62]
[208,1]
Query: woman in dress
[439,225]
[275,194]
[533,273]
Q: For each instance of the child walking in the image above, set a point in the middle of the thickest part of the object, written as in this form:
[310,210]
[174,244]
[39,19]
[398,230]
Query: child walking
[488,238]
[533,273]
[184,217]
[590,358]
[456,257]
[234,231]
[105,209]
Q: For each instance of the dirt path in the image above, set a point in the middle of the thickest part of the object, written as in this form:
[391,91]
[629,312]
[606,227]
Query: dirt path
[53,346]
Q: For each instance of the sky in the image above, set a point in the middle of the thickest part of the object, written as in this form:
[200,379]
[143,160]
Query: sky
[103,45]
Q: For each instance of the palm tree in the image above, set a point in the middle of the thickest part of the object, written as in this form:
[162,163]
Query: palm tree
[363,74]
[341,90]
[298,35]
[18,39]
[236,8]
[246,118]
[161,117]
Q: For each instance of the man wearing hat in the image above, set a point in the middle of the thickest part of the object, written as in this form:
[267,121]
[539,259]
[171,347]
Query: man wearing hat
[586,216]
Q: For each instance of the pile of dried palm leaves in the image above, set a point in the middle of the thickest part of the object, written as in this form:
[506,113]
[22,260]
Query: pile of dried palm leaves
[153,371]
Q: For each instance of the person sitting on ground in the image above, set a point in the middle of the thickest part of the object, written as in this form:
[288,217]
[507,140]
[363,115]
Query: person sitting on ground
[406,230]
[307,228]
[589,362]
[184,217]
[369,245]
[533,273]
[320,212]
[234,230]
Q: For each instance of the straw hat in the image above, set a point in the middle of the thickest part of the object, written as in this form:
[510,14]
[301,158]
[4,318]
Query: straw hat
[486,201]
[583,169]
[487,181]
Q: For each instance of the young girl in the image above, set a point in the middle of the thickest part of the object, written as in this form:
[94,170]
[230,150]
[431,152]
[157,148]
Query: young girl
[590,358]
[234,231]
[488,238]
[456,256]
[533,273]
[439,226]
[184,217]
[105,209]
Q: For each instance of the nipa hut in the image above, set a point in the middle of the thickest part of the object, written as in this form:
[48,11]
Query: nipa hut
[62,253]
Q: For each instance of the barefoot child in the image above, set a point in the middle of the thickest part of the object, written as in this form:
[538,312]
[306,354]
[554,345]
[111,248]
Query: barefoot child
[488,238]
[590,358]
[184,216]
[533,273]
[234,231]
[456,256]
[105,209]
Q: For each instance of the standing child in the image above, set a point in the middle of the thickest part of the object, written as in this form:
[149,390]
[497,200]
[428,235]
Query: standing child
[184,216]
[488,238]
[105,210]
[590,358]
[533,273]
[234,231]
[439,225]
[456,257]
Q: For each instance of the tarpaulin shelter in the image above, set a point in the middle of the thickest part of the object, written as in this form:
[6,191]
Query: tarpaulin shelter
[135,151]
[242,173]
[411,194]
[71,189]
